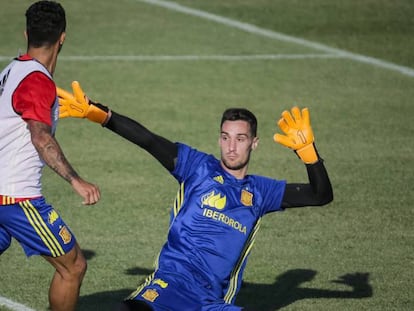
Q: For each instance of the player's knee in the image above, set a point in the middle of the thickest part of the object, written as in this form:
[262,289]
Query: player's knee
[83,266]
[80,267]
[80,264]
[74,269]
[74,273]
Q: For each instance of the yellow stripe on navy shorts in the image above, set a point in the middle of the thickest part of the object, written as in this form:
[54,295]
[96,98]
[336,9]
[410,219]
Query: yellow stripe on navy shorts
[42,229]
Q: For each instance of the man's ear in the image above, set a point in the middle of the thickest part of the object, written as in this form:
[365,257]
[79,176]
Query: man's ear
[62,38]
[255,143]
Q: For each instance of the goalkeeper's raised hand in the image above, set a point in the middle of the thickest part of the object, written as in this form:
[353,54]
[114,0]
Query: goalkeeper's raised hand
[78,105]
[298,134]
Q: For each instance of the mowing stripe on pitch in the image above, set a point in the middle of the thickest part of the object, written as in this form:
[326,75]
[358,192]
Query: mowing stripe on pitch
[280,36]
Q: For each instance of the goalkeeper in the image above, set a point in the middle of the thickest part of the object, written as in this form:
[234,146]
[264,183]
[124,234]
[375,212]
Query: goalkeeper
[218,208]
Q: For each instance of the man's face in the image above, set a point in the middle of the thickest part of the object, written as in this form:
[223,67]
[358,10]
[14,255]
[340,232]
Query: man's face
[236,143]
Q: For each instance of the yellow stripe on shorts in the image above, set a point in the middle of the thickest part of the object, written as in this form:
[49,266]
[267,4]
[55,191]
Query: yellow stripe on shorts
[42,229]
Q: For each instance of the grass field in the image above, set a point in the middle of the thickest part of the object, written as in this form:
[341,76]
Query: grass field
[176,69]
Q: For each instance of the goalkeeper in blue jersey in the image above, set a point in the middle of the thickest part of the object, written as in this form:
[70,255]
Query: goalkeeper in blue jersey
[218,208]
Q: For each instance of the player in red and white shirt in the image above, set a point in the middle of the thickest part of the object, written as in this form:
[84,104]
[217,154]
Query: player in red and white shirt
[29,112]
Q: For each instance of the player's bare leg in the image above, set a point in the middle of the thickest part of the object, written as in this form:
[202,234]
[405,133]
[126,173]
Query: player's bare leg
[66,282]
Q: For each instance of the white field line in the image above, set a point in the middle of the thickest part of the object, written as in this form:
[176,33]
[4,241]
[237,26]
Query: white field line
[332,52]
[13,305]
[144,58]
[197,57]
[280,36]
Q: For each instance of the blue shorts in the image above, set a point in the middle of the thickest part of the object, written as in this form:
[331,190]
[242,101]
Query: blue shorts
[166,292]
[37,227]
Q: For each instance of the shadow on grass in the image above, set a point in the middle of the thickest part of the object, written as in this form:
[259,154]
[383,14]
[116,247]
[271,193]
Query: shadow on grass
[286,290]
[106,301]
[89,254]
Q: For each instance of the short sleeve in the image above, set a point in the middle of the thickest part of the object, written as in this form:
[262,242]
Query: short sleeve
[188,161]
[272,192]
[34,97]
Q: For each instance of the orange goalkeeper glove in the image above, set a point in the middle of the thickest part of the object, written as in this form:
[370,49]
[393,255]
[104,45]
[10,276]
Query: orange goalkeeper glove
[298,134]
[78,105]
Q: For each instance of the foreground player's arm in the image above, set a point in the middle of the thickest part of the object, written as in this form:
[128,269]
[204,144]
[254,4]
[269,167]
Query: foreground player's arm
[50,151]
[298,136]
[79,105]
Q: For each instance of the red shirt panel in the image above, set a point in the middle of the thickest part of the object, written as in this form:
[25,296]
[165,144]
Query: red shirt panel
[34,97]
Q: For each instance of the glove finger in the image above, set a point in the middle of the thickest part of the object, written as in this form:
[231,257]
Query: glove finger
[63,102]
[296,115]
[63,93]
[63,113]
[283,126]
[288,118]
[283,140]
[306,116]
[78,92]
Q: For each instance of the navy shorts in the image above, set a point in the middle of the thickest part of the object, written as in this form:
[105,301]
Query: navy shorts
[37,227]
[166,292]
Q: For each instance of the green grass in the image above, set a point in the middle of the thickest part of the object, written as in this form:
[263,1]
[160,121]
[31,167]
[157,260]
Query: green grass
[362,117]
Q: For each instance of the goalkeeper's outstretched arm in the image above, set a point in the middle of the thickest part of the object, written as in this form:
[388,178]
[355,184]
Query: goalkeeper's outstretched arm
[317,192]
[298,136]
[78,105]
[161,148]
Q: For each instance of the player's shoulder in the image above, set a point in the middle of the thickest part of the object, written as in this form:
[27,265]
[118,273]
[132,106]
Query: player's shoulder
[192,154]
[265,181]
[31,71]
[191,161]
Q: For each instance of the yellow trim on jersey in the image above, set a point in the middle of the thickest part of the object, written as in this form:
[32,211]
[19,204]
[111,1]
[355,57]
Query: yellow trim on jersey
[42,229]
[147,282]
[234,276]
[178,203]
[6,200]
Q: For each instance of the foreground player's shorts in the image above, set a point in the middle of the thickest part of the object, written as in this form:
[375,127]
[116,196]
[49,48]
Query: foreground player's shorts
[173,293]
[36,226]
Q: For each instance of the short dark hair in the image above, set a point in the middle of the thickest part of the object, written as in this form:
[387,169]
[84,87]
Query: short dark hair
[45,22]
[235,114]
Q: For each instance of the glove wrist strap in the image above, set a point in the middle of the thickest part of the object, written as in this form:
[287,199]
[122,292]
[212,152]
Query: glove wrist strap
[308,154]
[97,115]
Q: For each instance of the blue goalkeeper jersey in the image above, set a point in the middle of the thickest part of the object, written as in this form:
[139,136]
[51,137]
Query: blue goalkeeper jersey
[214,222]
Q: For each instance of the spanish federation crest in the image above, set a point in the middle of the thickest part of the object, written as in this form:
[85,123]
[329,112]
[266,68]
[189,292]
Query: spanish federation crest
[246,198]
[150,295]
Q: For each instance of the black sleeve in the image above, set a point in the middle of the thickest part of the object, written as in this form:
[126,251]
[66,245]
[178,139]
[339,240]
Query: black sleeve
[161,148]
[316,193]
